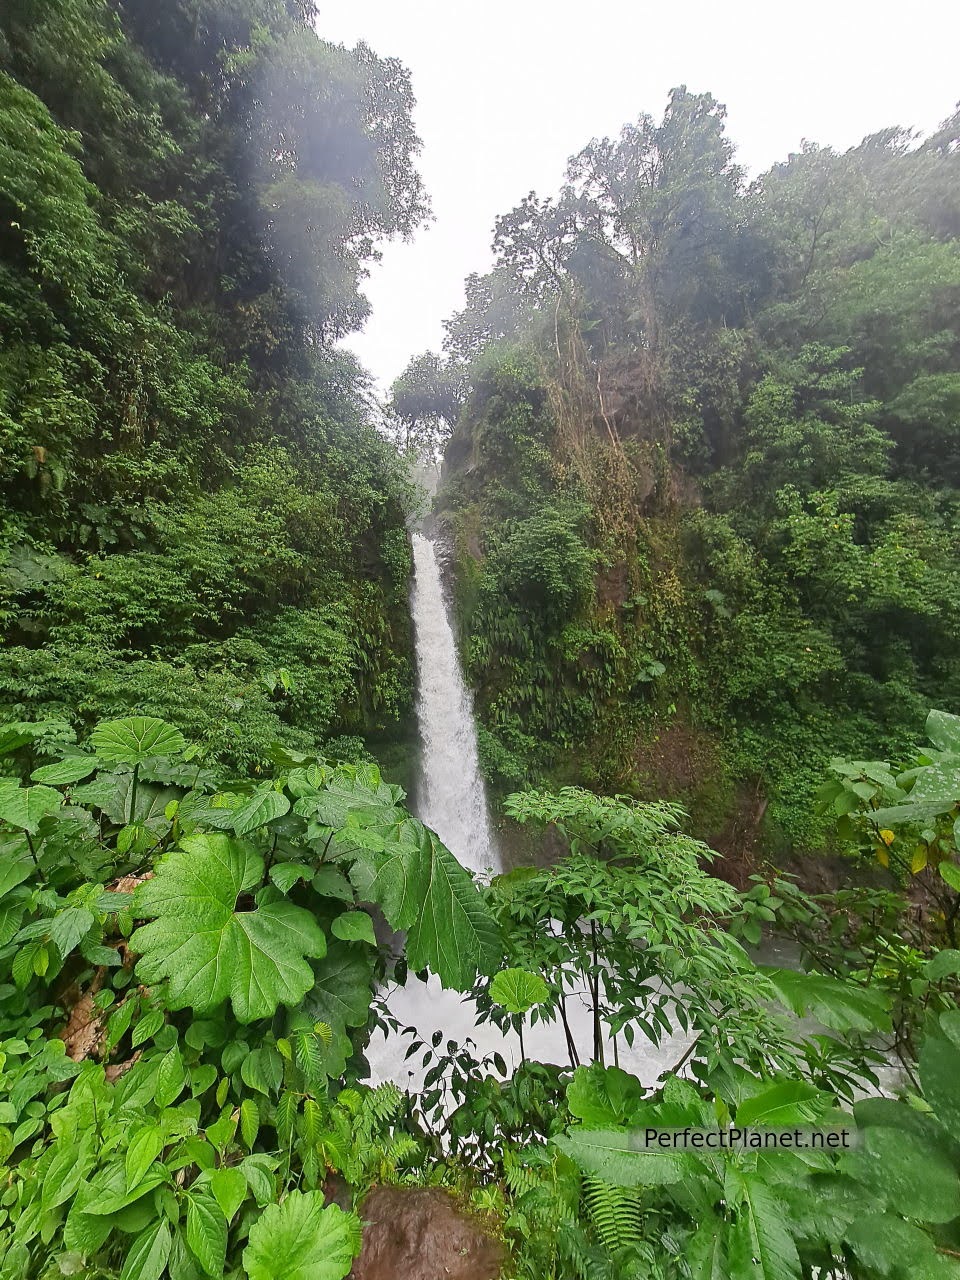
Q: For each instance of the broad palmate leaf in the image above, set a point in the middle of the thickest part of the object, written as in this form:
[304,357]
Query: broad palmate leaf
[208,950]
[517,991]
[423,889]
[135,739]
[302,1239]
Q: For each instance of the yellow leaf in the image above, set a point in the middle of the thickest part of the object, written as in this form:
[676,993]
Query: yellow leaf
[883,857]
[887,836]
[919,859]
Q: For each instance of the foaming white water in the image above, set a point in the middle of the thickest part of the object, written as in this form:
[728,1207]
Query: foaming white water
[451,797]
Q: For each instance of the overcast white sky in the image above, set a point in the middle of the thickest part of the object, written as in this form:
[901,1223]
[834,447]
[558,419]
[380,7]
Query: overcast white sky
[508,89]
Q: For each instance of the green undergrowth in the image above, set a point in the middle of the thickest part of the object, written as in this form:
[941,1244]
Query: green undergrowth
[190,973]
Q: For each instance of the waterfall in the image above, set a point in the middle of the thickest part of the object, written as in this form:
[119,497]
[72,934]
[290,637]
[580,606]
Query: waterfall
[451,797]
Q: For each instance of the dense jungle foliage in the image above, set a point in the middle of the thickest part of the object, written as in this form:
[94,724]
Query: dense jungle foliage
[190,974]
[702,468]
[701,491]
[198,518]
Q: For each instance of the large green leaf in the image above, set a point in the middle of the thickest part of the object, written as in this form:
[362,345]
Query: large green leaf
[207,1233]
[787,1103]
[888,1245]
[302,1239]
[518,991]
[329,882]
[937,784]
[354,926]
[261,808]
[62,772]
[940,1077]
[16,865]
[915,812]
[943,964]
[26,807]
[229,1188]
[620,1157]
[423,889]
[206,949]
[341,993]
[706,1251]
[840,1005]
[135,739]
[147,1257]
[603,1096]
[111,793]
[943,730]
[760,1247]
[902,1170]
[145,1145]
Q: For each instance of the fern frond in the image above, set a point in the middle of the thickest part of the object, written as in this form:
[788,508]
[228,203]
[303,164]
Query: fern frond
[350,1100]
[575,1254]
[308,1124]
[616,1214]
[518,1175]
[309,1056]
[356,1230]
[384,1103]
[402,1150]
[286,1116]
[335,1154]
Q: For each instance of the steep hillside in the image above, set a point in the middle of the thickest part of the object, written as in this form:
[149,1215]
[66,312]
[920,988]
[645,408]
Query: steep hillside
[702,481]
[200,521]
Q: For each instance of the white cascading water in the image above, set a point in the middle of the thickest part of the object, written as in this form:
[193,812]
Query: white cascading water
[451,798]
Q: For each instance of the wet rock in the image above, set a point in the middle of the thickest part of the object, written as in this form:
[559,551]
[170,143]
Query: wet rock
[413,1233]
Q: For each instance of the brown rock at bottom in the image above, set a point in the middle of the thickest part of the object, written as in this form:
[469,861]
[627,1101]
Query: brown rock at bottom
[413,1233]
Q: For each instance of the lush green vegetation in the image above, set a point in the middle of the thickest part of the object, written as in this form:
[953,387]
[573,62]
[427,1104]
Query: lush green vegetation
[194,501]
[713,426]
[189,970]
[702,485]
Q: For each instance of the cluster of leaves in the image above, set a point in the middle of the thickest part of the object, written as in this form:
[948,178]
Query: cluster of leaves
[630,924]
[188,969]
[188,966]
[888,1206]
[910,818]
